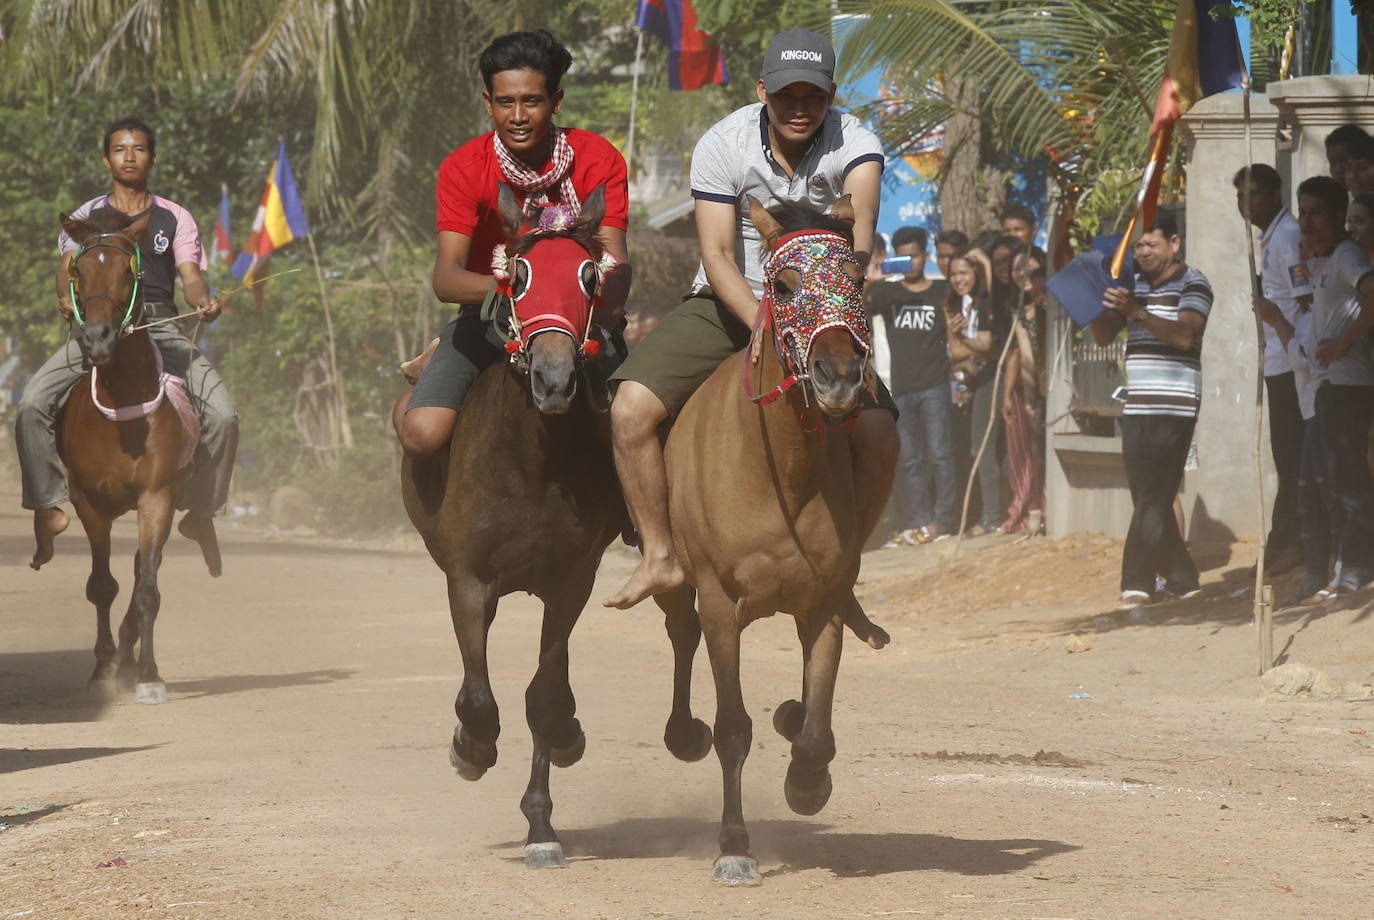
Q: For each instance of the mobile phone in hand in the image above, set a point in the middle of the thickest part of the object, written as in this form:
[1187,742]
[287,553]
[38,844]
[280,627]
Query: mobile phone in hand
[896,265]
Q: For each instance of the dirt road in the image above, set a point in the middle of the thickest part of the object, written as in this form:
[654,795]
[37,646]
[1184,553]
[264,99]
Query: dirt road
[299,769]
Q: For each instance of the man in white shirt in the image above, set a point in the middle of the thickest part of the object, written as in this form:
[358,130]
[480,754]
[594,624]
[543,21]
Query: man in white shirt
[1283,282]
[1342,316]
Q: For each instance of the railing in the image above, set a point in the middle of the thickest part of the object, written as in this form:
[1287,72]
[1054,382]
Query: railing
[1097,372]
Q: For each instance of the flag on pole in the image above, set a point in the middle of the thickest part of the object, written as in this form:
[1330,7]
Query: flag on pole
[223,252]
[694,57]
[1204,59]
[280,219]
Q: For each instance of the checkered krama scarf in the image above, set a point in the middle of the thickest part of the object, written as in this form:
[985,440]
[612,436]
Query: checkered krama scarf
[534,185]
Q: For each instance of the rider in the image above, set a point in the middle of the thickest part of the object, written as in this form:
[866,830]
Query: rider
[170,248]
[543,164]
[789,146]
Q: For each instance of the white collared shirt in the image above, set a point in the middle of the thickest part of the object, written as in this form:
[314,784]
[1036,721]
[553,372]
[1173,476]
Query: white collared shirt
[1283,279]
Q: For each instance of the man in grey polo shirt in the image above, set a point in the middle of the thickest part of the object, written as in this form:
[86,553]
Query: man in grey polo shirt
[789,146]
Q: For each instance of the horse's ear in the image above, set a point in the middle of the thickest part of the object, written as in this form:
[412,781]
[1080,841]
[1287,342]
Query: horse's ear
[593,210]
[135,230]
[843,210]
[766,224]
[512,215]
[78,230]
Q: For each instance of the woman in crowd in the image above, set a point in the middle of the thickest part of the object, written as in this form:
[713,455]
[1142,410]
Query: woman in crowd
[1022,405]
[972,360]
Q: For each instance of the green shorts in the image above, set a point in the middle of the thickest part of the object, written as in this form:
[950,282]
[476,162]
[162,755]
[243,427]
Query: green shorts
[689,344]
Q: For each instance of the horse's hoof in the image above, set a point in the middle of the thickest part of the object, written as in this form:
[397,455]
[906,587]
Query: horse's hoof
[788,719]
[545,856]
[102,688]
[737,870]
[150,693]
[463,754]
[570,754]
[690,745]
[806,798]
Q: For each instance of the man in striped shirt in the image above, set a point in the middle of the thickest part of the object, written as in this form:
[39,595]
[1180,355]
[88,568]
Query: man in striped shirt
[1164,318]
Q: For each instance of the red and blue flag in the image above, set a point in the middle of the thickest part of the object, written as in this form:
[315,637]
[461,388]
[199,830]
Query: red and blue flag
[695,58]
[224,248]
[280,219]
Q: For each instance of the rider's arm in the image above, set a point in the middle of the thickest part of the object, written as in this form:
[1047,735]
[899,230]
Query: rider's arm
[716,234]
[862,185]
[616,287]
[197,291]
[453,283]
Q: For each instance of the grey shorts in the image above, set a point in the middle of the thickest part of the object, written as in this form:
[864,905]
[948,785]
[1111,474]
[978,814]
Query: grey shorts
[467,346]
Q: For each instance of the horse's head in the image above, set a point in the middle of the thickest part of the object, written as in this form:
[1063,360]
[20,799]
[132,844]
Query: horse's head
[104,278]
[552,269]
[813,292]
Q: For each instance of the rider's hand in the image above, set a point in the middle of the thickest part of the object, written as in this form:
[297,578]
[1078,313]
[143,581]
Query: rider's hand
[209,309]
[64,306]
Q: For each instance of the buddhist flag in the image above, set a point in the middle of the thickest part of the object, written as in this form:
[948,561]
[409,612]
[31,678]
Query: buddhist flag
[280,219]
[1204,59]
[224,248]
[694,57]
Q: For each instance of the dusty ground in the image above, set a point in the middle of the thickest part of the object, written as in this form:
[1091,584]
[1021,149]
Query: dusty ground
[984,771]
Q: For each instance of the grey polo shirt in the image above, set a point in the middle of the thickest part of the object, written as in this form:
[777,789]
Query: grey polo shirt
[734,159]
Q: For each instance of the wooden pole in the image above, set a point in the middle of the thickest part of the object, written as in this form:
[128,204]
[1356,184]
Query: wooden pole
[340,400]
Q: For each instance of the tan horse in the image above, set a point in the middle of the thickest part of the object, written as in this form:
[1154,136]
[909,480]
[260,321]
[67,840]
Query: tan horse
[764,512]
[136,460]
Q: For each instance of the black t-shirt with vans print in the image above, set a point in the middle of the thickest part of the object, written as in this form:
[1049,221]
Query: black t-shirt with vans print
[915,334]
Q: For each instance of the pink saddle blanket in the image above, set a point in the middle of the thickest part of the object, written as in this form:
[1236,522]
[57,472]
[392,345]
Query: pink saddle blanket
[181,401]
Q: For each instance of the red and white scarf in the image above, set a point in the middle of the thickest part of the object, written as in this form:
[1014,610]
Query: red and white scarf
[534,185]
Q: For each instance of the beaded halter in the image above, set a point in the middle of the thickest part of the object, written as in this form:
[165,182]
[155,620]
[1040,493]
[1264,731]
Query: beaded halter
[826,298]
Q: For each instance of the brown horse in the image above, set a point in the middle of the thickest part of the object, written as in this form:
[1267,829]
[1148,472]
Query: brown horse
[764,513]
[526,499]
[137,459]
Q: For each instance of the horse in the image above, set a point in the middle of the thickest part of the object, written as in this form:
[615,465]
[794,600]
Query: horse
[763,510]
[126,436]
[526,497]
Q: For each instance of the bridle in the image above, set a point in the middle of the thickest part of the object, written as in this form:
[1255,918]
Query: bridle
[827,298]
[135,256]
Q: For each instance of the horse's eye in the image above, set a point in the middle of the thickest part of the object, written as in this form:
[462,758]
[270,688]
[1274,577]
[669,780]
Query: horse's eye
[520,279]
[782,290]
[586,276]
[786,284]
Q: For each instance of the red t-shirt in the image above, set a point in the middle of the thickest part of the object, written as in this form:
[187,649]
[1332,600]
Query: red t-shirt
[467,189]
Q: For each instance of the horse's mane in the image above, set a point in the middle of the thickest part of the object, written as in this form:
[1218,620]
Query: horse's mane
[793,216]
[108,220]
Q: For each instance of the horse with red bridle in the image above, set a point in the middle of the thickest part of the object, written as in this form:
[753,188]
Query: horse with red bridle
[526,496]
[127,437]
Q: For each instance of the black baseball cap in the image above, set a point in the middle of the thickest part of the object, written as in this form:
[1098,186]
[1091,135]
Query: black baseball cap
[799,56]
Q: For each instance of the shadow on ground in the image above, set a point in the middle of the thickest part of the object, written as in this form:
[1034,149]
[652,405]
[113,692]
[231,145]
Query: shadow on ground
[801,845]
[242,683]
[12,761]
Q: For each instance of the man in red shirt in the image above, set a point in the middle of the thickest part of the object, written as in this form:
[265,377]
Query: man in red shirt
[543,164]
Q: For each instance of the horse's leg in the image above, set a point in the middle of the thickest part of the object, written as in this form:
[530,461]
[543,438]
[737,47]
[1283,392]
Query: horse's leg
[687,737]
[813,743]
[550,710]
[734,732]
[155,511]
[101,589]
[472,605]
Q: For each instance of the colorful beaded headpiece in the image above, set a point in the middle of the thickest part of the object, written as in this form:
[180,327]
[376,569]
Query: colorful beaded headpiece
[826,298]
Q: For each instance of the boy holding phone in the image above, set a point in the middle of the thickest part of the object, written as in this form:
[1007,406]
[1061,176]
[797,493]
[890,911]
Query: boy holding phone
[915,319]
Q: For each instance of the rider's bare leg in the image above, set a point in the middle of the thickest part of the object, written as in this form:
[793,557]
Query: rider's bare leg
[423,430]
[47,524]
[874,446]
[636,414]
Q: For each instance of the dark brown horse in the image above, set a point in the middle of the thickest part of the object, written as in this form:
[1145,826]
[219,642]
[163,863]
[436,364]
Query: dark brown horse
[123,443]
[526,499]
[764,512]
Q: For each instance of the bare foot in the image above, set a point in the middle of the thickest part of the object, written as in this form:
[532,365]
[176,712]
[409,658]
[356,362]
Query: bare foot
[654,576]
[47,524]
[200,527]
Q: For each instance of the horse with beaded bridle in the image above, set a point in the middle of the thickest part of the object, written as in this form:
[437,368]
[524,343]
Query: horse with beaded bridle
[526,497]
[127,435]
[764,515]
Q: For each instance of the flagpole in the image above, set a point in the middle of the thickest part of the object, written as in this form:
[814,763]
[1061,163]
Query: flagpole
[634,105]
